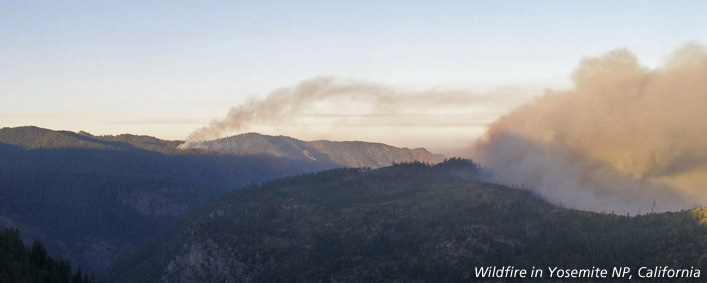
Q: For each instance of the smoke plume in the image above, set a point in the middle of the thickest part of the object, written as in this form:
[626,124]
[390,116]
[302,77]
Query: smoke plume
[373,104]
[624,138]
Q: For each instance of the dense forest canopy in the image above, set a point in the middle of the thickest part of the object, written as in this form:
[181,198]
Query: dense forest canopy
[407,222]
[19,263]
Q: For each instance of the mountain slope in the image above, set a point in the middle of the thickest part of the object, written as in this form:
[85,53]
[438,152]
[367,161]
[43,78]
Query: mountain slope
[91,199]
[409,222]
[31,137]
[347,154]
[93,218]
[32,148]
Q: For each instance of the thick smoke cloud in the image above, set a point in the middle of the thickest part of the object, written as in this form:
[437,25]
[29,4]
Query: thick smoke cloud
[381,105]
[625,136]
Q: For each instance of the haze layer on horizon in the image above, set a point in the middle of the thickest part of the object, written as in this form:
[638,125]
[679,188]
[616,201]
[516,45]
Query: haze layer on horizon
[165,70]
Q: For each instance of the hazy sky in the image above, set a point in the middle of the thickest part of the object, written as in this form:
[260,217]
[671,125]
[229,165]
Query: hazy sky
[166,68]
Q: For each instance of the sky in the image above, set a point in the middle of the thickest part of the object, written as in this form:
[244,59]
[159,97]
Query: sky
[167,68]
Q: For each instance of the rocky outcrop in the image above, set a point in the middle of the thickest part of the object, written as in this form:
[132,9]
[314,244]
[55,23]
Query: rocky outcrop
[208,262]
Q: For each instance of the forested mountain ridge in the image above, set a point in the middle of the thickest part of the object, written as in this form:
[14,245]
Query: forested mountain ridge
[408,222]
[91,199]
[31,137]
[346,153]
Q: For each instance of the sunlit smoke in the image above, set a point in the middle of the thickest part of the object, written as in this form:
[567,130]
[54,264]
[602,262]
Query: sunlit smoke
[625,136]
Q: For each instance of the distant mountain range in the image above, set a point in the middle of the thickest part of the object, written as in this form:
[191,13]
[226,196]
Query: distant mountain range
[93,198]
[404,223]
[347,153]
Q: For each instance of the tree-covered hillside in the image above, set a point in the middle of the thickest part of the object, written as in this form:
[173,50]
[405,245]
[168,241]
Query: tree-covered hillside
[22,264]
[93,218]
[408,222]
[36,148]
[337,154]
[93,198]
